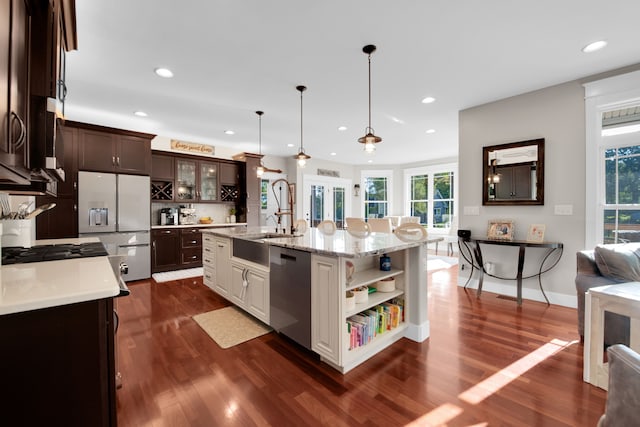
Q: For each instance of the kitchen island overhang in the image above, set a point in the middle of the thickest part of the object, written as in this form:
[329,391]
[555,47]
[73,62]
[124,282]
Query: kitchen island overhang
[331,319]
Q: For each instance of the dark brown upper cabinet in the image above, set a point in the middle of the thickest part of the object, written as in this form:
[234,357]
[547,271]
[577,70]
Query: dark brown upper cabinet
[513,174]
[102,149]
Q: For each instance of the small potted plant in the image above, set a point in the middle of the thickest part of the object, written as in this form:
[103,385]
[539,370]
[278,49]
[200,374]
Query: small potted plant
[232,215]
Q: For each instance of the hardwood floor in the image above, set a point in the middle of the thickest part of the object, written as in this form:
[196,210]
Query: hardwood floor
[487,362]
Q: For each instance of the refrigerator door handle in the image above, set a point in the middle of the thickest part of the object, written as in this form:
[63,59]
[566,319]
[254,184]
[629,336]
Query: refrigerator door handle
[138,245]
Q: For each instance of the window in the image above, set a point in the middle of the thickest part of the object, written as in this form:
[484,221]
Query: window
[621,216]
[377,193]
[264,193]
[431,195]
[612,144]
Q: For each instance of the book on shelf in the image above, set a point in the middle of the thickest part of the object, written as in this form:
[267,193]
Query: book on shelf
[363,327]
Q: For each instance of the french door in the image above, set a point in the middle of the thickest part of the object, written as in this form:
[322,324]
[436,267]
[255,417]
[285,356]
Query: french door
[326,198]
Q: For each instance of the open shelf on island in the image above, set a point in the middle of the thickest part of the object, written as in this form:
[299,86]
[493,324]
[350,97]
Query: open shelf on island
[372,275]
[373,300]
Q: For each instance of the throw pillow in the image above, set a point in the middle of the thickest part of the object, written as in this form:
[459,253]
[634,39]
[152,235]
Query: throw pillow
[619,262]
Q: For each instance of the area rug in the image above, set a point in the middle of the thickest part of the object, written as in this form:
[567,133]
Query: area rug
[177,275]
[230,326]
[435,262]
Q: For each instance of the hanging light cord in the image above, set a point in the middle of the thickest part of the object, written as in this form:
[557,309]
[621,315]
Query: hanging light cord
[369,56]
[301,143]
[260,132]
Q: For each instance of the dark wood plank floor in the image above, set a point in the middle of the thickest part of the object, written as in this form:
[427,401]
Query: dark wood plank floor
[487,362]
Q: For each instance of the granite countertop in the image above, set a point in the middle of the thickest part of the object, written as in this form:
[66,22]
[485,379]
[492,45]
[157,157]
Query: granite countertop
[38,285]
[198,225]
[339,244]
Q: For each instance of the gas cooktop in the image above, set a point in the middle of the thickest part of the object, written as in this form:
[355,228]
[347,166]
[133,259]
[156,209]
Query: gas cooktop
[20,255]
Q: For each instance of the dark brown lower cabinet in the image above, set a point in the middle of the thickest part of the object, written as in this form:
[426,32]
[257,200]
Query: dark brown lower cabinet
[175,249]
[191,247]
[58,366]
[165,250]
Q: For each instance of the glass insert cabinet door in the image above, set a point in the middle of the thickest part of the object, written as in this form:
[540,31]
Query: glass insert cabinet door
[186,180]
[208,181]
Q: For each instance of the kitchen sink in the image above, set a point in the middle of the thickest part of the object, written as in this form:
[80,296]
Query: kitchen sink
[255,247]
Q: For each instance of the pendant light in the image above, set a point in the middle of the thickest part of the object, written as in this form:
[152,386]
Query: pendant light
[301,157]
[370,139]
[260,169]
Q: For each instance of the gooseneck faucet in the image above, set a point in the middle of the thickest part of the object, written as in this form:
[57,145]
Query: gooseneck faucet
[280,212]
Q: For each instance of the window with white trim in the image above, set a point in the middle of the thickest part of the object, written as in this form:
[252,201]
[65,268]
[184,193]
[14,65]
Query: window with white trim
[430,194]
[376,193]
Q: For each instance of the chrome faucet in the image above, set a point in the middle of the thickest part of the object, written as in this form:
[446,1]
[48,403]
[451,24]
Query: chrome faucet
[287,212]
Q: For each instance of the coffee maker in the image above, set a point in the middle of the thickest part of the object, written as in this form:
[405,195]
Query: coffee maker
[168,216]
[188,215]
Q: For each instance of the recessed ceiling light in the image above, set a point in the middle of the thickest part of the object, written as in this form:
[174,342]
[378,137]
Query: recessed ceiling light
[333,153]
[140,113]
[428,100]
[164,72]
[592,47]
[342,128]
[290,145]
[431,131]
[369,161]
[229,132]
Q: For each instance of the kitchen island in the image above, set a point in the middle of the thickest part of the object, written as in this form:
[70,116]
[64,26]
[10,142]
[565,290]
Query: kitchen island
[57,332]
[343,334]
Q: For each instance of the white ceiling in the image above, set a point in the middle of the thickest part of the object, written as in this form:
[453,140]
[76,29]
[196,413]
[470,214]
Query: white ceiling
[233,57]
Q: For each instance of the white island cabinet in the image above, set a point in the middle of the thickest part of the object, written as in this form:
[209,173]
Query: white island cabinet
[342,335]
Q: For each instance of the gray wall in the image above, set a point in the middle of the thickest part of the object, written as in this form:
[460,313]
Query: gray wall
[556,114]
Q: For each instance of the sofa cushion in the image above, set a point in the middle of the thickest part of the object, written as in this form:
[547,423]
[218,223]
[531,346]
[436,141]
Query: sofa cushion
[619,262]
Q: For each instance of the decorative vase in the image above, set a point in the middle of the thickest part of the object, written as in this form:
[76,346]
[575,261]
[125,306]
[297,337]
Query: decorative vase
[232,218]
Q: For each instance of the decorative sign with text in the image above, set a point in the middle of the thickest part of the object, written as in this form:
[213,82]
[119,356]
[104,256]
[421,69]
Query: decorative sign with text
[193,147]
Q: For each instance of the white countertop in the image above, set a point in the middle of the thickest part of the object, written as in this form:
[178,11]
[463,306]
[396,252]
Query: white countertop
[37,285]
[339,244]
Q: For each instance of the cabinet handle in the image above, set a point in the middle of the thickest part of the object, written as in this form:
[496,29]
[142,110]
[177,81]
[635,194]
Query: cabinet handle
[194,257]
[167,231]
[75,207]
[207,250]
[23,131]
[220,246]
[193,242]
[75,185]
[208,276]
[113,160]
[118,160]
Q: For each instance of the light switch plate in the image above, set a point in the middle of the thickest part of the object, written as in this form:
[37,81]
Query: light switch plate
[563,209]
[472,210]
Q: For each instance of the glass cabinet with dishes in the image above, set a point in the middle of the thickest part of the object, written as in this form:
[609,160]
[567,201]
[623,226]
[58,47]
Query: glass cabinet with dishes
[186,180]
[208,182]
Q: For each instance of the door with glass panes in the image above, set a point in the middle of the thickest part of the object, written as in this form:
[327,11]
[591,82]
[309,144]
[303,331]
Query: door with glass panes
[326,199]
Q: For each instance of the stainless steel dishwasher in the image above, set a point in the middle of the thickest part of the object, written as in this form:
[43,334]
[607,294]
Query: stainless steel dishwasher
[290,293]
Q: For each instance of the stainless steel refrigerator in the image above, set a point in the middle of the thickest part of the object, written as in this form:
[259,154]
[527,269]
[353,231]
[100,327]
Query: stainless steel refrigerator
[115,208]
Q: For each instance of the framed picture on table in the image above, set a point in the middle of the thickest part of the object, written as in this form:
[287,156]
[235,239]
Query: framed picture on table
[500,230]
[536,233]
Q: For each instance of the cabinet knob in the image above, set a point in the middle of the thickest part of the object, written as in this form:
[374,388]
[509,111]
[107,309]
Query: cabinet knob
[193,242]
[167,231]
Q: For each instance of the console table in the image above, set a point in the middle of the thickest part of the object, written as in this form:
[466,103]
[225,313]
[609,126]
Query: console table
[554,247]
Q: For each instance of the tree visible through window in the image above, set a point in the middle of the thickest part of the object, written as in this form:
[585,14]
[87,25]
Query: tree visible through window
[431,194]
[376,195]
[622,194]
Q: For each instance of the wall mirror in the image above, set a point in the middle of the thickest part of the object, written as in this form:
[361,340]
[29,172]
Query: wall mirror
[513,173]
